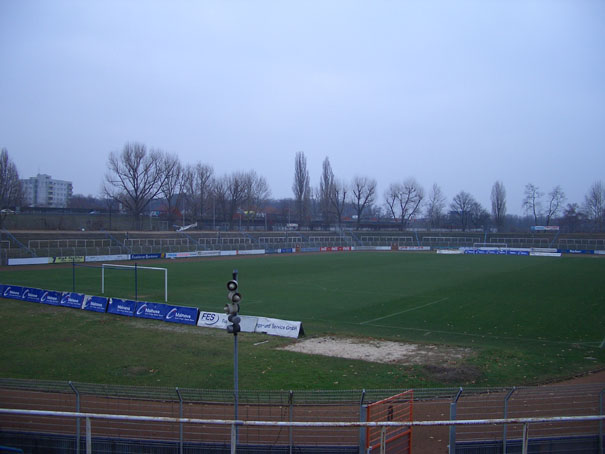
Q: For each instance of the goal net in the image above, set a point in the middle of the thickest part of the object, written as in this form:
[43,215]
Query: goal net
[145,281]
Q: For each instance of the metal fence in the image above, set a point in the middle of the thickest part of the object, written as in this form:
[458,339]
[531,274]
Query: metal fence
[299,421]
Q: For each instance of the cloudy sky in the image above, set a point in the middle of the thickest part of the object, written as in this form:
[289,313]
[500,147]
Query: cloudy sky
[459,93]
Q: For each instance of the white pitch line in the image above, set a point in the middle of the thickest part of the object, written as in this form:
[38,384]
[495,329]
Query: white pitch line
[404,311]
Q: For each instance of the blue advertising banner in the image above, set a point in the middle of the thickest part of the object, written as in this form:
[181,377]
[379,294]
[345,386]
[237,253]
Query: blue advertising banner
[2,287]
[32,294]
[145,256]
[95,303]
[575,251]
[121,307]
[13,292]
[51,297]
[182,314]
[70,299]
[155,311]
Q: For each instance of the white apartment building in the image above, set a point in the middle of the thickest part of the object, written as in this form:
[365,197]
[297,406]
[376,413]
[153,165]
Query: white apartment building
[43,191]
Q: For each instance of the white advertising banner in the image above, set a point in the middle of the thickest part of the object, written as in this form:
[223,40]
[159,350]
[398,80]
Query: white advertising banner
[31,261]
[276,327]
[106,258]
[252,324]
[251,252]
[220,321]
[414,248]
[228,253]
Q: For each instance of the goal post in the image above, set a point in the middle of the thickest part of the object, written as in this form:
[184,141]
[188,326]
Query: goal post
[134,267]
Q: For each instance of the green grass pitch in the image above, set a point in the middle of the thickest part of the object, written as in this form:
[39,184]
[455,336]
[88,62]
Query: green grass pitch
[526,319]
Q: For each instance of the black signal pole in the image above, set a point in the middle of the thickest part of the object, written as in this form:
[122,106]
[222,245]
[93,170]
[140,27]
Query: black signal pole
[232,309]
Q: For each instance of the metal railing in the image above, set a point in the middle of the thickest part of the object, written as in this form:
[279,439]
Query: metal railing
[89,417]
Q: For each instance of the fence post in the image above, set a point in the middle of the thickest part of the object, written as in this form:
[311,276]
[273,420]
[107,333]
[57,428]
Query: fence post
[452,446]
[178,393]
[510,393]
[77,419]
[88,437]
[233,438]
[73,274]
[601,421]
[136,284]
[525,438]
[291,404]
[362,418]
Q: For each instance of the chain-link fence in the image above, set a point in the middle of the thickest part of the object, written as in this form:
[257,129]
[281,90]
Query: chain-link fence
[286,409]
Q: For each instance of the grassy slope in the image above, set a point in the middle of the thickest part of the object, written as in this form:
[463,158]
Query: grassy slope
[527,319]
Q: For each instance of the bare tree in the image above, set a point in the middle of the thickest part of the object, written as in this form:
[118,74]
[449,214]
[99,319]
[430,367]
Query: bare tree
[391,196]
[134,178]
[198,181]
[257,193]
[532,203]
[572,217]
[594,205]
[556,198]
[326,184]
[364,193]
[404,200]
[499,204]
[435,206]
[220,198]
[301,187]
[172,188]
[236,195]
[10,187]
[462,207]
[338,199]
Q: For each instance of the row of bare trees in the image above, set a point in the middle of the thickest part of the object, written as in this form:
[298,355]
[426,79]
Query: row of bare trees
[407,200]
[136,176]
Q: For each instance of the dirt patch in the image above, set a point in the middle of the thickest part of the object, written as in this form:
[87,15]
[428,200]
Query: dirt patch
[382,351]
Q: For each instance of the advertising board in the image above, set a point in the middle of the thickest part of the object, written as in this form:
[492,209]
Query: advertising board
[71,299]
[121,307]
[182,314]
[95,303]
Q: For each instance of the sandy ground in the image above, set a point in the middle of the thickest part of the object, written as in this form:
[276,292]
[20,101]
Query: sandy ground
[380,351]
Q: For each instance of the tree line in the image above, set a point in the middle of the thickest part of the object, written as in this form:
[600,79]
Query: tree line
[136,176]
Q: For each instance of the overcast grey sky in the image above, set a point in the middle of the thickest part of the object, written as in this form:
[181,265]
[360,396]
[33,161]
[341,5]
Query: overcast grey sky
[459,93]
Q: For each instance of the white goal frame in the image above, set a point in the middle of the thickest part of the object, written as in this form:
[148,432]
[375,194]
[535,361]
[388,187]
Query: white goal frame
[134,267]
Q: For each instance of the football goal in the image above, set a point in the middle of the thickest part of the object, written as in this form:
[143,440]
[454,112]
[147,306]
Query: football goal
[136,269]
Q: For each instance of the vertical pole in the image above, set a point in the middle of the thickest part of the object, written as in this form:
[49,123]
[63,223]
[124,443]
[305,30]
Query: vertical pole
[363,417]
[452,448]
[180,423]
[166,285]
[77,419]
[88,437]
[291,403]
[601,421]
[233,438]
[103,279]
[525,439]
[510,393]
[136,284]
[73,275]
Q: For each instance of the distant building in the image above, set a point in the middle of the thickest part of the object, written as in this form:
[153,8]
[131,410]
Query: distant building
[43,191]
